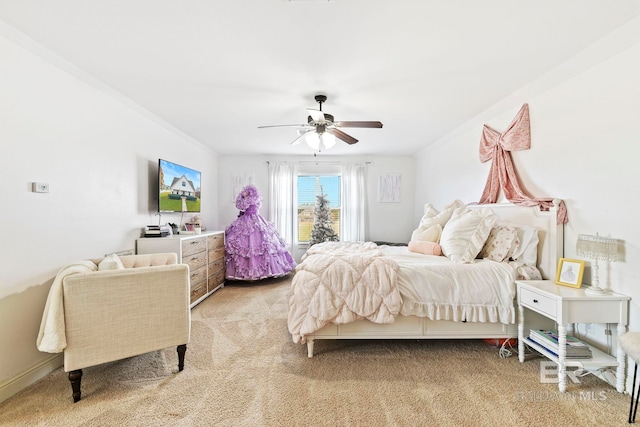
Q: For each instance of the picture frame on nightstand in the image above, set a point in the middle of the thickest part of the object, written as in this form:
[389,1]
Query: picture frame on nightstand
[570,272]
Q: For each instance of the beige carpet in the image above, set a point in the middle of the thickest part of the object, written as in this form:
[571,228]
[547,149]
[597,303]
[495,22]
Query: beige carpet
[242,369]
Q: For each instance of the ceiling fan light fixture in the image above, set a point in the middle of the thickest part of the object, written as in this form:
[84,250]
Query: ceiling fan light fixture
[313,140]
[320,141]
[328,140]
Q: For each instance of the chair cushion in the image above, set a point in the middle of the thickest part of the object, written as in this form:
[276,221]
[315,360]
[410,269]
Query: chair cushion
[111,262]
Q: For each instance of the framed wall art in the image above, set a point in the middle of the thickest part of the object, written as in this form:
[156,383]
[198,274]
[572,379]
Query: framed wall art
[238,182]
[570,272]
[389,188]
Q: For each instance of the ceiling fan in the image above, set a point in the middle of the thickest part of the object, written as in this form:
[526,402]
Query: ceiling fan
[321,130]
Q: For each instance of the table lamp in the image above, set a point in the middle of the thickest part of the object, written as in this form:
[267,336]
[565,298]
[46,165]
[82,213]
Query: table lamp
[598,249]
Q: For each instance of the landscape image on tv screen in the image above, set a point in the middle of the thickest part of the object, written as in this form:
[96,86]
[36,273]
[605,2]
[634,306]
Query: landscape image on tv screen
[179,188]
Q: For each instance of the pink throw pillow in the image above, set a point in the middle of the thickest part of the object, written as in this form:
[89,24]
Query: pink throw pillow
[426,248]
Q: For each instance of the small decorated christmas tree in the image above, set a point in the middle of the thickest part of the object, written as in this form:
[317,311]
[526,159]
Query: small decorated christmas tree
[323,224]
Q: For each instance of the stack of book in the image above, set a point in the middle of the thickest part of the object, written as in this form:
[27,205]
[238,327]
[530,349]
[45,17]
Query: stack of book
[157,231]
[575,349]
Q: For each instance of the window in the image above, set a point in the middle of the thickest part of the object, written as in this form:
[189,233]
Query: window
[310,186]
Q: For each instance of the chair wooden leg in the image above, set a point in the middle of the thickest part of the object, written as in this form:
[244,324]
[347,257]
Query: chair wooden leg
[75,377]
[182,349]
[634,397]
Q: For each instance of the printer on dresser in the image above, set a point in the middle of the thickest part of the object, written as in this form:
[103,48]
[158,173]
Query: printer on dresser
[204,253]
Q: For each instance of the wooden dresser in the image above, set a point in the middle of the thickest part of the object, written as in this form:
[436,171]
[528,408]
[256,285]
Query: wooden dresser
[204,253]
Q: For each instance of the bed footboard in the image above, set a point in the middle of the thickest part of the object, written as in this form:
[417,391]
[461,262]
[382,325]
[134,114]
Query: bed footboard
[412,327]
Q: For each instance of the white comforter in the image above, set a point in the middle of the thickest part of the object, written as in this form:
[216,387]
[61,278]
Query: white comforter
[436,288]
[341,283]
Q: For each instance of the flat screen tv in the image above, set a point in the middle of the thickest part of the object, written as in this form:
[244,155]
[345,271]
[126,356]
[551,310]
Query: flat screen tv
[179,188]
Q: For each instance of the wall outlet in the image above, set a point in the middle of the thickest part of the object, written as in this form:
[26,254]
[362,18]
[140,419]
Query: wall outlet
[40,187]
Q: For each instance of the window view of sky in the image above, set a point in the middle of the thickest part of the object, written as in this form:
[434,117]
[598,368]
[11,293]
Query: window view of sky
[307,189]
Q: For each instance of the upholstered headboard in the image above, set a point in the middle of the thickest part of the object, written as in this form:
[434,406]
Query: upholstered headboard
[550,233]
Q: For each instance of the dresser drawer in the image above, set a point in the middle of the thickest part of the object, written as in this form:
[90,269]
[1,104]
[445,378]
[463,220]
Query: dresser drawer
[216,241]
[195,261]
[197,290]
[216,266]
[215,279]
[192,246]
[198,275]
[538,302]
[216,253]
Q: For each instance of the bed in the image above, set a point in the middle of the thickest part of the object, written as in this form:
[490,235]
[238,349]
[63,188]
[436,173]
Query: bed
[401,294]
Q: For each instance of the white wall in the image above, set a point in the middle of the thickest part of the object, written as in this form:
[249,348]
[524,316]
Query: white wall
[99,156]
[585,146]
[391,222]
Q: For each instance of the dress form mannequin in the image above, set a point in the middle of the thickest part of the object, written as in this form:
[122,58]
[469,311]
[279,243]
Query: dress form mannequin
[254,248]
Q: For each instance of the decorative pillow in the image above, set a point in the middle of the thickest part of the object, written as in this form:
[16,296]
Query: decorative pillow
[466,232]
[430,211]
[426,248]
[500,244]
[427,233]
[111,262]
[526,272]
[432,216]
[527,250]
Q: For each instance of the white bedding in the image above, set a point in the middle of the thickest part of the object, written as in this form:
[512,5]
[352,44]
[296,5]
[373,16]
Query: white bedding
[341,283]
[436,288]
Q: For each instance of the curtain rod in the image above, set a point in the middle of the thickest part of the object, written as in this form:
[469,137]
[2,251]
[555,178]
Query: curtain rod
[317,163]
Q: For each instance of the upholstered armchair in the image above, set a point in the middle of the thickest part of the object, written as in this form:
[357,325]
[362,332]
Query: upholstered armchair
[115,308]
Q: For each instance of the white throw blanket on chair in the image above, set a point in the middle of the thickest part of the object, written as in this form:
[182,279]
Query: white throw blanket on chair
[52,337]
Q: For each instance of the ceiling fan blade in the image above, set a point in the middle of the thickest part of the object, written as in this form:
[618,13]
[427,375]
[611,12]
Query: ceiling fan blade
[316,115]
[359,124]
[281,126]
[341,135]
[300,137]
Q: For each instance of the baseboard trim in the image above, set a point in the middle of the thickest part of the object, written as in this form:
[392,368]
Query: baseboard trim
[13,385]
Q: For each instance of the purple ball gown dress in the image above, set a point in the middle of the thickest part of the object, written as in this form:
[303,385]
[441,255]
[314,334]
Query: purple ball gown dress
[254,248]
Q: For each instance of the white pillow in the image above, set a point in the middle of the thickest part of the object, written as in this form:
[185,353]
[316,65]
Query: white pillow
[427,233]
[466,232]
[429,210]
[111,262]
[527,250]
[432,216]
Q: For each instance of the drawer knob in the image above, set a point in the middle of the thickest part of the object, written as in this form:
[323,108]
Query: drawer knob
[535,301]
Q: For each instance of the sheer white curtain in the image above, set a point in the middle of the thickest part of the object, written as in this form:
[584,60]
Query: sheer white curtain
[353,203]
[282,198]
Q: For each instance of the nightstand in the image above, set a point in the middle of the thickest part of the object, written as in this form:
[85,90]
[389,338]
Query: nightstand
[566,306]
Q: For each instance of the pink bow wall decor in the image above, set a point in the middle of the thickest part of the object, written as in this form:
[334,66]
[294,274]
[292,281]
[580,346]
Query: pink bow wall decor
[496,146]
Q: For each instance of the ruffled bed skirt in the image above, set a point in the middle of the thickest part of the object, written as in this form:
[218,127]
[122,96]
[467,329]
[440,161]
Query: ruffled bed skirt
[460,313]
